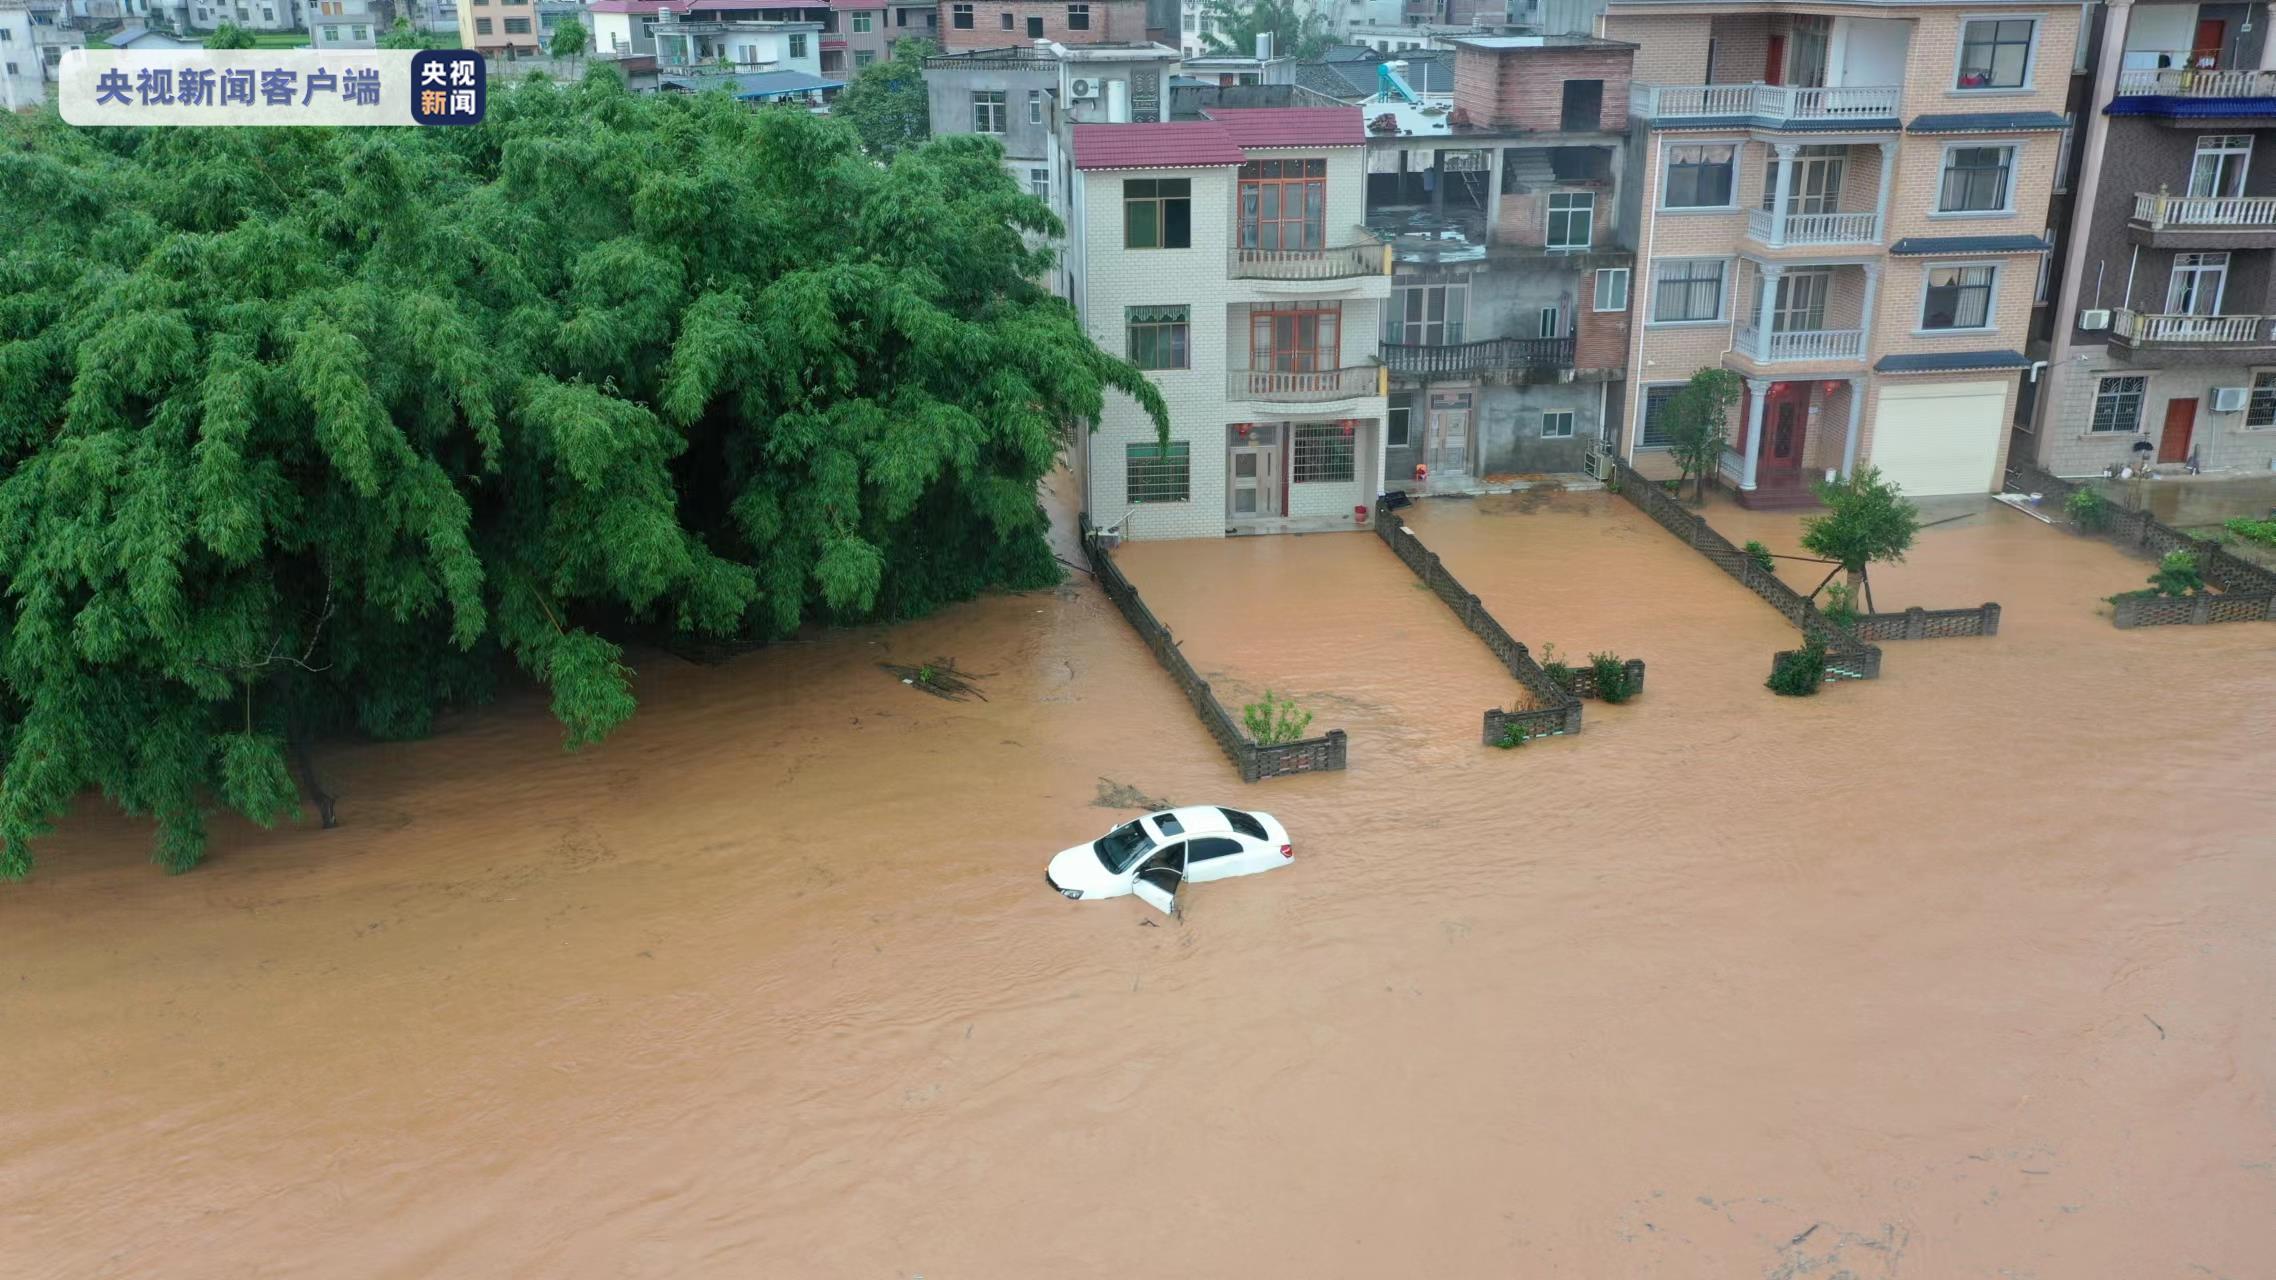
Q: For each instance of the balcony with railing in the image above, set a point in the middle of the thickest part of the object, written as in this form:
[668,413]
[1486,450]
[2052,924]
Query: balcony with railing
[2171,332]
[1780,345]
[2164,221]
[1810,229]
[1477,359]
[1846,107]
[1342,262]
[1306,387]
[2189,82]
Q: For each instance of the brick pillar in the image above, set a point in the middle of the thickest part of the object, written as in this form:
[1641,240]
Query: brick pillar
[1991,619]
[1916,623]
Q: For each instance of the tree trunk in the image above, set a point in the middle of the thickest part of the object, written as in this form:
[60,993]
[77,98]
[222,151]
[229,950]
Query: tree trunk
[305,757]
[1857,599]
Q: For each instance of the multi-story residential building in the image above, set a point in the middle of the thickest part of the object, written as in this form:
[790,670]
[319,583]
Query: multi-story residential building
[1029,97]
[849,34]
[1222,256]
[1507,332]
[33,37]
[984,24]
[343,24]
[501,29]
[2164,338]
[1845,204]
[696,34]
[253,15]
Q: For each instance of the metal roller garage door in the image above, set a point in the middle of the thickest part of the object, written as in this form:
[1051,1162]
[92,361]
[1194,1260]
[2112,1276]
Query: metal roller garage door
[1940,437]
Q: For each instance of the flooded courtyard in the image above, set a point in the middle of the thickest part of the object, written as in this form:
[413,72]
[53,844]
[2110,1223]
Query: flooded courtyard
[1970,970]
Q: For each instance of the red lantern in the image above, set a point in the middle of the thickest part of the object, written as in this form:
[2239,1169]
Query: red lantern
[1348,424]
[1243,428]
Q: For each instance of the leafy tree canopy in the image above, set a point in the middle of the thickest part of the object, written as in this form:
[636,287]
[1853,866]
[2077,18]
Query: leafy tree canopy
[1298,30]
[405,36]
[305,430]
[1696,419]
[886,103]
[229,36]
[569,40]
[1867,518]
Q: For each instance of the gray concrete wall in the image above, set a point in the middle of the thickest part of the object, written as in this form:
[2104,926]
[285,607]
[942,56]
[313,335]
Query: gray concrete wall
[949,92]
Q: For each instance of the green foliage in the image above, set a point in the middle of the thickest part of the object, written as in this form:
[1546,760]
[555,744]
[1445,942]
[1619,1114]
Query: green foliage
[229,36]
[886,103]
[405,36]
[1554,666]
[1867,519]
[2089,510]
[1514,734]
[1611,677]
[1275,720]
[569,40]
[1762,557]
[1841,606]
[1297,31]
[2178,575]
[1697,420]
[1798,674]
[308,430]
[2260,531]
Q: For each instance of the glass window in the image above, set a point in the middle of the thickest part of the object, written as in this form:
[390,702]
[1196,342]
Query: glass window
[1284,205]
[1976,179]
[1689,289]
[1152,473]
[1007,19]
[960,16]
[482,26]
[1118,848]
[863,57]
[1322,452]
[1034,28]
[861,22]
[1039,183]
[1395,429]
[1655,433]
[1208,847]
[2261,412]
[1426,315]
[1157,336]
[1296,338]
[2063,155]
[1699,177]
[1571,216]
[798,46]
[1557,424]
[988,111]
[2218,169]
[1078,17]
[1612,289]
[1157,213]
[2118,404]
[1958,298]
[1243,823]
[2197,283]
[1995,53]
[1035,106]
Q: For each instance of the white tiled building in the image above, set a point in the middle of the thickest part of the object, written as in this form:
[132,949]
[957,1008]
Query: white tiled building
[1224,255]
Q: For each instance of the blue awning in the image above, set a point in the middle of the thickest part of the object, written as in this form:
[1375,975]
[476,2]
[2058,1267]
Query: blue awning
[1989,122]
[1925,246]
[1951,362]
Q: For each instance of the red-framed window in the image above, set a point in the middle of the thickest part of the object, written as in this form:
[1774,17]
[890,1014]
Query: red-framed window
[1284,205]
[1296,337]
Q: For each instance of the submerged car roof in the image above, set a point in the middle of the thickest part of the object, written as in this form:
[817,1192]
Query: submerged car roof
[1195,818]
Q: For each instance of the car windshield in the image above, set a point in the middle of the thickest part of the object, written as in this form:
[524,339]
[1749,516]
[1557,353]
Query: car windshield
[1244,823]
[1118,848]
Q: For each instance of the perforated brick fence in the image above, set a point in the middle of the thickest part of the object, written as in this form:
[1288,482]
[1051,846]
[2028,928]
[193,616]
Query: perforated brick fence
[1255,761]
[2247,591]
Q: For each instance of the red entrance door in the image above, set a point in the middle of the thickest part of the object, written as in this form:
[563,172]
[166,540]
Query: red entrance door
[2211,43]
[1775,72]
[1785,420]
[2180,421]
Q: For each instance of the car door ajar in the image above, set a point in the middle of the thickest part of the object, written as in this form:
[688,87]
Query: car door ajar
[1159,879]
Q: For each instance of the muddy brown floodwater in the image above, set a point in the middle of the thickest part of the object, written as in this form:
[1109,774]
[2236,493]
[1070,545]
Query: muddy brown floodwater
[1969,971]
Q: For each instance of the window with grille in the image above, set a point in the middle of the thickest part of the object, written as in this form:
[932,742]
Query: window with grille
[1157,213]
[1283,204]
[2118,404]
[988,111]
[1571,216]
[1995,54]
[520,27]
[960,16]
[1296,338]
[2261,411]
[1078,17]
[2218,167]
[1426,315]
[1689,290]
[1557,424]
[1699,177]
[1958,298]
[1322,452]
[1154,473]
[1612,289]
[1655,432]
[1976,179]
[1157,336]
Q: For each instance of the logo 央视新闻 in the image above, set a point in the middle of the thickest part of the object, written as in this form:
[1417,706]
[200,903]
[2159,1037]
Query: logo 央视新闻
[447,87]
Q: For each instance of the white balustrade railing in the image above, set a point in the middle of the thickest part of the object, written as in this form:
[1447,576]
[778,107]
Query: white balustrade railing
[2183,83]
[1342,262]
[1800,344]
[1776,101]
[2212,330]
[1814,228]
[2160,210]
[1317,385]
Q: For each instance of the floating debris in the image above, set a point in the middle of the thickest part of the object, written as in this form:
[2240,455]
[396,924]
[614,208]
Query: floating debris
[941,679]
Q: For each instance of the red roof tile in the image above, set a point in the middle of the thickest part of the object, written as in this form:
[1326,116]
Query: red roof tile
[1181,145]
[1257,127]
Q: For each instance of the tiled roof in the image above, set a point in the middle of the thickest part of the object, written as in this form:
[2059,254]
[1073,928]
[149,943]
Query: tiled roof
[1918,246]
[1292,126]
[1951,362]
[1184,144]
[1988,122]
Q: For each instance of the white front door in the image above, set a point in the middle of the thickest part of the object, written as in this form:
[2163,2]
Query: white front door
[1448,448]
[1251,492]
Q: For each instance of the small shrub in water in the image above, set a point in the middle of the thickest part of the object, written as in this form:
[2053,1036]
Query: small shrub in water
[1763,560]
[1275,720]
[1798,674]
[2088,509]
[1841,606]
[1555,666]
[1611,677]
[2178,575]
[1514,734]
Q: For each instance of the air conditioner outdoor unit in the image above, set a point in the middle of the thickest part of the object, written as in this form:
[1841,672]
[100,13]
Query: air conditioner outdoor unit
[2229,399]
[1084,89]
[1599,463]
[2099,318]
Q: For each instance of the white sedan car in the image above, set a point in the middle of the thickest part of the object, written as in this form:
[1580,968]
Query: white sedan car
[1152,856]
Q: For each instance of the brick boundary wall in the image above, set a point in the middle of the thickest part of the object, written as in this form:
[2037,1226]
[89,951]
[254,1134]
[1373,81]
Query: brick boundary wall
[1255,761]
[1559,711]
[2247,590]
